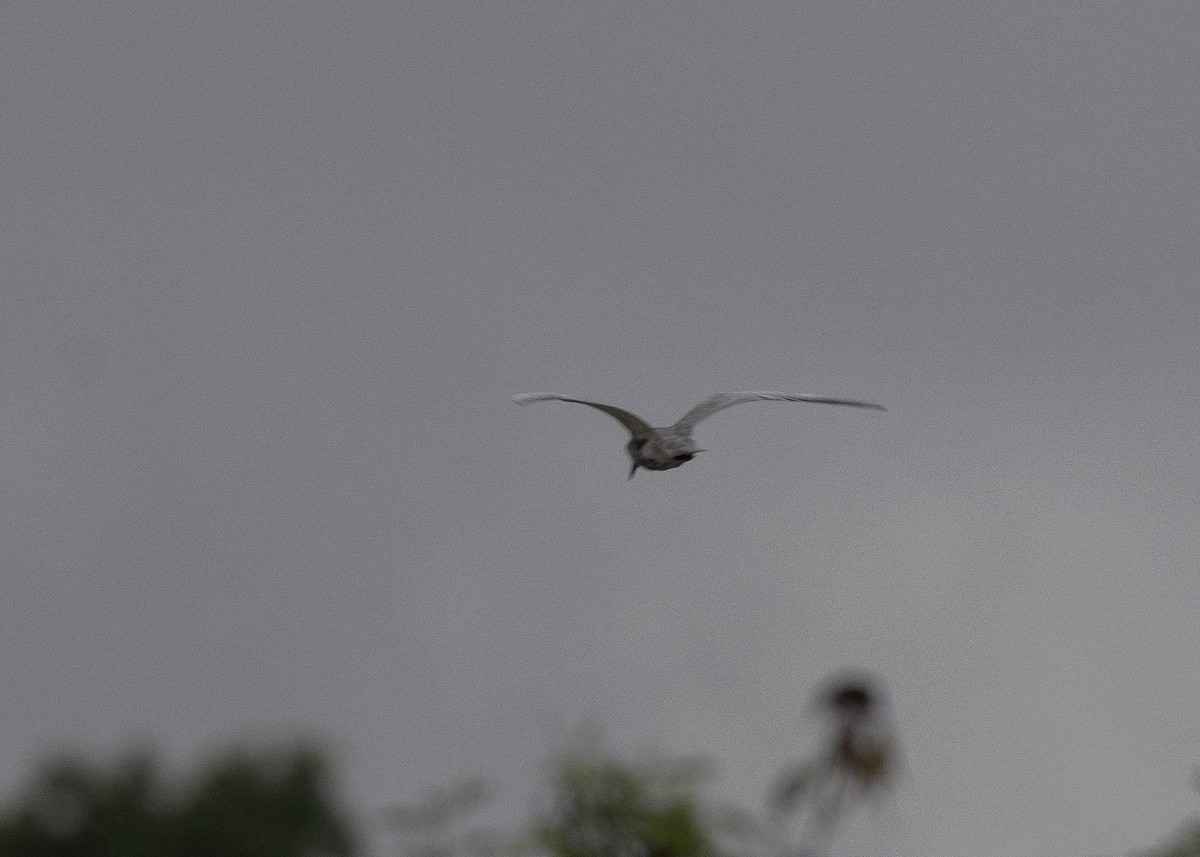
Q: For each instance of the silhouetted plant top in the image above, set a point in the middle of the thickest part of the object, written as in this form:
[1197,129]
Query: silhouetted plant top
[243,804]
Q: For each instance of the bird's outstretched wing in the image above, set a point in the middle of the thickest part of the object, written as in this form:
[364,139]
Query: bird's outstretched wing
[635,424]
[720,401]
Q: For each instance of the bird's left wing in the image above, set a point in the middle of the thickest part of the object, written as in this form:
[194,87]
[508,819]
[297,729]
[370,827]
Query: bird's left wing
[720,401]
[634,423]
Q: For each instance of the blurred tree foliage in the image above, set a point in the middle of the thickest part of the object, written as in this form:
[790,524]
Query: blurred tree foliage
[281,803]
[243,804]
[596,805]
[1186,842]
[604,806]
[439,825]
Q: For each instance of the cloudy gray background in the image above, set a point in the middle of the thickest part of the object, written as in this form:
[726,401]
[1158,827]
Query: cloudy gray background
[271,272]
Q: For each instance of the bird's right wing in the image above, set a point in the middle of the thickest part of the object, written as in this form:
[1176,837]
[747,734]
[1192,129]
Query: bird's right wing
[721,401]
[635,424]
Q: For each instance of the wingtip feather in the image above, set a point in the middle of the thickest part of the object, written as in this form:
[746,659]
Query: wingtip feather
[526,398]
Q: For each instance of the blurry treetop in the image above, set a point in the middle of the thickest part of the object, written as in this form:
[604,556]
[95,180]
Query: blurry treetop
[604,806]
[242,804]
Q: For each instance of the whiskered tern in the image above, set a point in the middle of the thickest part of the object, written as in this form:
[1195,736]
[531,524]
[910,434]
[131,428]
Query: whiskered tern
[670,446]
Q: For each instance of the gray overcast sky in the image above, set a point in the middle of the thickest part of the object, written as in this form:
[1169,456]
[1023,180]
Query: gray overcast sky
[270,273]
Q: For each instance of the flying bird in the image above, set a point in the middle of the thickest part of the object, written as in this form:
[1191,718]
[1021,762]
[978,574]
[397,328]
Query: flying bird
[670,446]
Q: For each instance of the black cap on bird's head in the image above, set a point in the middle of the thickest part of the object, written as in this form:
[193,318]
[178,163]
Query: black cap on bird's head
[851,696]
